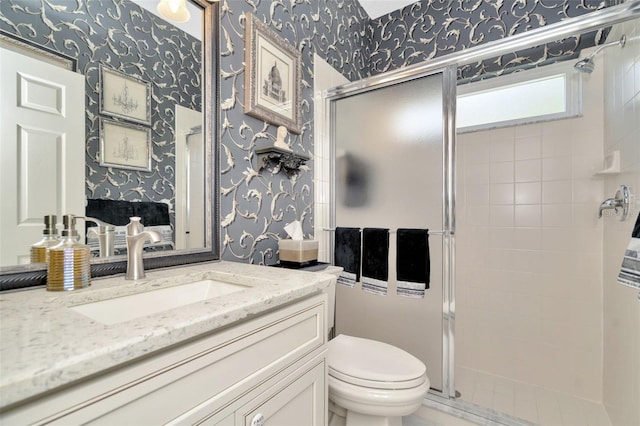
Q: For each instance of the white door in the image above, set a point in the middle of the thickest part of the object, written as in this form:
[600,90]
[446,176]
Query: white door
[195,192]
[190,180]
[42,150]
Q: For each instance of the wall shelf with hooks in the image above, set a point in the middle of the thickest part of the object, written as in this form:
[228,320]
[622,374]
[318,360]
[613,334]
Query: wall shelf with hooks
[287,160]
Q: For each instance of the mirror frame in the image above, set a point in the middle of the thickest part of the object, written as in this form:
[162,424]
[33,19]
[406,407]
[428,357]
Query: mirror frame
[24,276]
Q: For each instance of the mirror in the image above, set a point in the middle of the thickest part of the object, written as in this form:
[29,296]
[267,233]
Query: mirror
[149,107]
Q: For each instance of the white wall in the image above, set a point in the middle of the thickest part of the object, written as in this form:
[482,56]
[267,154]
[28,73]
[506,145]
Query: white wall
[529,249]
[621,307]
[325,77]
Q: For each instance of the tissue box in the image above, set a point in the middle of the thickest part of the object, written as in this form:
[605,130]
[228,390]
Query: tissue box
[298,252]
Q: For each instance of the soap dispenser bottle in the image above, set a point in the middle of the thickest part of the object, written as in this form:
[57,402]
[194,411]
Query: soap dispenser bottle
[69,266]
[39,251]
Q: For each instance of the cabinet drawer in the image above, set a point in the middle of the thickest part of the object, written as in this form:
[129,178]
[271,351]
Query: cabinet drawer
[208,414]
[219,366]
[294,402]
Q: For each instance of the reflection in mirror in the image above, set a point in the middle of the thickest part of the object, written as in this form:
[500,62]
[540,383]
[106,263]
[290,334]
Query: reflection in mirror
[127,132]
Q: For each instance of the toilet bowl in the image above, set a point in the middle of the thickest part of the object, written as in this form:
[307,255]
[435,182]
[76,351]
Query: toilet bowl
[372,383]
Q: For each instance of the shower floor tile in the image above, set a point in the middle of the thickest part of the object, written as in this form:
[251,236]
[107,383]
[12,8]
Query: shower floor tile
[527,402]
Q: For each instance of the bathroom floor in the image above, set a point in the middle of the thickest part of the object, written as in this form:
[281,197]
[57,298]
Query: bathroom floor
[416,421]
[531,403]
[431,417]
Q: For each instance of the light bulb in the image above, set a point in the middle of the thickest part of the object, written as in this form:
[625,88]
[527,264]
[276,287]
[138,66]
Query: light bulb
[174,10]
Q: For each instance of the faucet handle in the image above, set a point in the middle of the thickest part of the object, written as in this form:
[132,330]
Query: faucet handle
[134,227]
[94,220]
[102,226]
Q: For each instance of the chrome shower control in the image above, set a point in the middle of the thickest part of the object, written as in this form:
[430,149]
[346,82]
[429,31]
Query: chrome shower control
[622,201]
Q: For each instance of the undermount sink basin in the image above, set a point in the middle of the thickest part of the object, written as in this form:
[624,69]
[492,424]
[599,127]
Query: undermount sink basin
[125,308]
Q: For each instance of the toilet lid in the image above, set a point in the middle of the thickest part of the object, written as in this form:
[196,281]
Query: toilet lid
[374,364]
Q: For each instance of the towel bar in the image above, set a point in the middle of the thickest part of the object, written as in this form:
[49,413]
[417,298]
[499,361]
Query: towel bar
[393,232]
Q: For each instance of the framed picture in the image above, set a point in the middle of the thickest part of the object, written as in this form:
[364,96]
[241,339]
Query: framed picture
[124,145]
[124,96]
[273,77]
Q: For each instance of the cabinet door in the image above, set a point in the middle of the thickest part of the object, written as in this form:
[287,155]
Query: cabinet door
[227,421]
[300,401]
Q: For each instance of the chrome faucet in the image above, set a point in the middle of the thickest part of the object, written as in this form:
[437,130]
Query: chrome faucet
[136,237]
[105,233]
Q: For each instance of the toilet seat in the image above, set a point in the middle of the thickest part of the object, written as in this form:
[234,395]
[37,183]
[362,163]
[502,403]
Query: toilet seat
[373,364]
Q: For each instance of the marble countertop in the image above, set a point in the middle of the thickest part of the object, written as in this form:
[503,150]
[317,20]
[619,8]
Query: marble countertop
[44,344]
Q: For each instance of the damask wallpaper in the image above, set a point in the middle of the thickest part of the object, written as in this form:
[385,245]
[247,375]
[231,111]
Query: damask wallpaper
[122,36]
[256,205]
[432,28]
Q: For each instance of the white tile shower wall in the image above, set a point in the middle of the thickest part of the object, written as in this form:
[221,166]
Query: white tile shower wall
[621,308]
[325,77]
[529,244]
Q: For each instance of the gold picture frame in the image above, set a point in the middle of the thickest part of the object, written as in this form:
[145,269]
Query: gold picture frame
[273,77]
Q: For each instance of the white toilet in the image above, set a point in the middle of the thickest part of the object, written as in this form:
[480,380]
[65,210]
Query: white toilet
[372,383]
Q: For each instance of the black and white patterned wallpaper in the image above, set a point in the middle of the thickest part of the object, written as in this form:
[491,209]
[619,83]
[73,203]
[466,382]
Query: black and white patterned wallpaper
[122,36]
[431,28]
[256,205]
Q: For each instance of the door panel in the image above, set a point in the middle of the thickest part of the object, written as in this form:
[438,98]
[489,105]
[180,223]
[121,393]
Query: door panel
[38,152]
[42,150]
[190,198]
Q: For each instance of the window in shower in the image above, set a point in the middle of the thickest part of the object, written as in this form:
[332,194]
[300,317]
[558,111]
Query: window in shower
[542,94]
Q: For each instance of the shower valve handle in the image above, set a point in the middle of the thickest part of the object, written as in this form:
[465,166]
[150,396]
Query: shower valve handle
[621,201]
[609,203]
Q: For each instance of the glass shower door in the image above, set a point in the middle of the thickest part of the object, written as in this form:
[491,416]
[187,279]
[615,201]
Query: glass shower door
[391,145]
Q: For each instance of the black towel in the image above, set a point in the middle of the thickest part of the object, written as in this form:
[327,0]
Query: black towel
[412,262]
[375,260]
[118,212]
[114,212]
[629,274]
[151,213]
[347,255]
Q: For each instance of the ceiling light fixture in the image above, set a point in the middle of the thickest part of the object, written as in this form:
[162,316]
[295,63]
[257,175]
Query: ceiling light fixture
[175,10]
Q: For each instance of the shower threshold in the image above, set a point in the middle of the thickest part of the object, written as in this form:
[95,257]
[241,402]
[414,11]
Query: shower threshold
[472,412]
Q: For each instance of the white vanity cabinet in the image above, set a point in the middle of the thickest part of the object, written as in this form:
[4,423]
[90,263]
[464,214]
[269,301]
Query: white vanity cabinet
[267,370]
